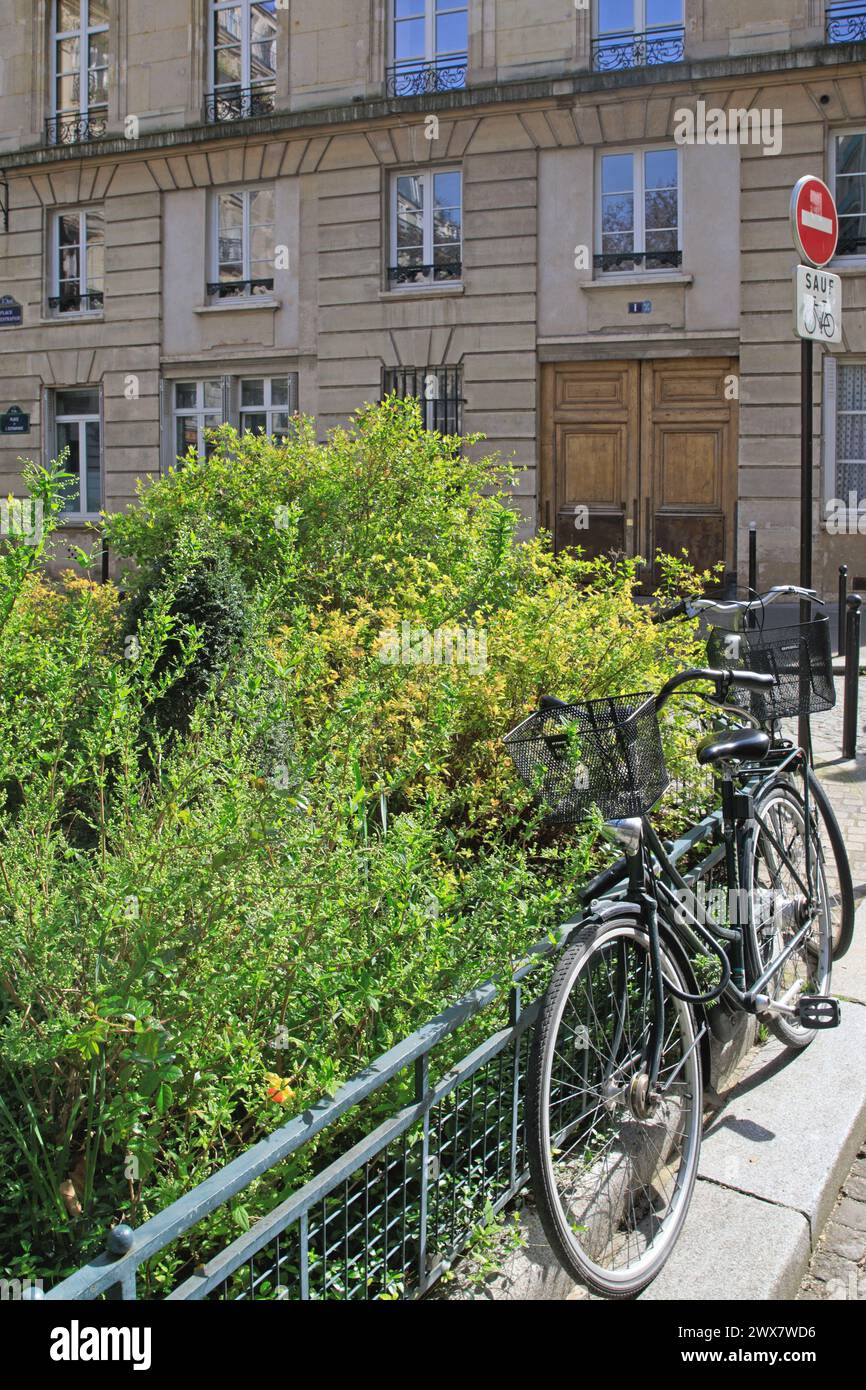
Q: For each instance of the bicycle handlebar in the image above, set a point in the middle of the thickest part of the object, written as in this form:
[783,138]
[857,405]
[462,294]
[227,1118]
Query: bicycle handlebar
[691,608]
[723,680]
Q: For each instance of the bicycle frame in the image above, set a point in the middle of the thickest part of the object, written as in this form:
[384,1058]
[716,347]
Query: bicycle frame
[664,896]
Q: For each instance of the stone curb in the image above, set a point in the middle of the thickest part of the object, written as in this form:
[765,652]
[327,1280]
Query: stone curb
[773,1160]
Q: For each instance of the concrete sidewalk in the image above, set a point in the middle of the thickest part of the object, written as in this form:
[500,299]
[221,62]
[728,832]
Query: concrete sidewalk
[778,1152]
[774,1159]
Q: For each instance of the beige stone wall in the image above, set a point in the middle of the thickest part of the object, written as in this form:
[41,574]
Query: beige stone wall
[104,350]
[529,202]
[336,51]
[770,352]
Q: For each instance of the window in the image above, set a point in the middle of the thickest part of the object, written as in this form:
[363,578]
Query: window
[846,22]
[634,33]
[849,164]
[77,261]
[266,404]
[639,215]
[79,70]
[426,228]
[438,391]
[77,429]
[430,42]
[243,253]
[255,403]
[243,48]
[198,406]
[850,432]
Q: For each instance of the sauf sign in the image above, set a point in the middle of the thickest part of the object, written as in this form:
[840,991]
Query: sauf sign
[817,292]
[817,305]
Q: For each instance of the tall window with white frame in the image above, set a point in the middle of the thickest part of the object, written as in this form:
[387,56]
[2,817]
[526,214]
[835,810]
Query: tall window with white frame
[242,243]
[77,430]
[851,434]
[198,408]
[429,46]
[77,279]
[638,211]
[266,404]
[243,59]
[426,228]
[79,71]
[849,175]
[637,33]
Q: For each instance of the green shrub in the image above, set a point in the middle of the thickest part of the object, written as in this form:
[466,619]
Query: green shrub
[243,856]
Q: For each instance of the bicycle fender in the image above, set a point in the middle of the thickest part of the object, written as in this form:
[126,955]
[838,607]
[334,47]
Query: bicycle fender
[603,909]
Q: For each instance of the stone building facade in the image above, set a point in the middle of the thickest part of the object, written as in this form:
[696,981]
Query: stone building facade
[527,212]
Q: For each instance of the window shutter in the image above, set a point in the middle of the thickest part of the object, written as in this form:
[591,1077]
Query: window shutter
[49,429]
[166,426]
[828,426]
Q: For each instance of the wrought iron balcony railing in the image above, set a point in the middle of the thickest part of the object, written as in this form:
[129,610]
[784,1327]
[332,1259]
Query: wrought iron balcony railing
[74,303]
[440,273]
[75,129]
[239,103]
[638,50]
[846,23]
[638,260]
[417,79]
[231,289]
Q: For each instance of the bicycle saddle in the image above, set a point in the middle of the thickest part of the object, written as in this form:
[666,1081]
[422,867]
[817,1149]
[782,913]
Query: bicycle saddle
[733,746]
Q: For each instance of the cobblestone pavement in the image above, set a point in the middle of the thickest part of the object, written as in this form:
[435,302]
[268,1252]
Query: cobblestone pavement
[838,1267]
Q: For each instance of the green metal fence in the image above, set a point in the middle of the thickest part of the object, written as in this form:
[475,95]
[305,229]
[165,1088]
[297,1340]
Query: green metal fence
[386,1218]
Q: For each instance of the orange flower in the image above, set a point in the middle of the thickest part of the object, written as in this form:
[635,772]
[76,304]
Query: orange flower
[278,1089]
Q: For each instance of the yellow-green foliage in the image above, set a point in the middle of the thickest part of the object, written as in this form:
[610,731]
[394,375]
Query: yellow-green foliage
[206,924]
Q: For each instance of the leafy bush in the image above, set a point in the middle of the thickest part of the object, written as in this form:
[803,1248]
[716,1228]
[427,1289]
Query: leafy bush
[245,854]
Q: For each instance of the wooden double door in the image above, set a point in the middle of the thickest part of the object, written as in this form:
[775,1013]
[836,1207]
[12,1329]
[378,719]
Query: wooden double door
[638,457]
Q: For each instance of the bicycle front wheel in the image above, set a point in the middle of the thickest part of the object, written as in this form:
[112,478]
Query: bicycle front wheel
[612,1168]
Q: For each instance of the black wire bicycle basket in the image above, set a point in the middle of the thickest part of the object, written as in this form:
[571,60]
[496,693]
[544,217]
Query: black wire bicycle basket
[799,657]
[606,753]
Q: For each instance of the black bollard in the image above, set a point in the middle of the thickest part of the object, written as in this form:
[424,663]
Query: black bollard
[852,676]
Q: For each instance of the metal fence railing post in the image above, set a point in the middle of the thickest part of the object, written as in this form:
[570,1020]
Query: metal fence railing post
[422,1087]
[852,676]
[843,599]
[753,559]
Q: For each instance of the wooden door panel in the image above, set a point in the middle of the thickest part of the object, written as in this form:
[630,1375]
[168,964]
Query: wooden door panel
[688,440]
[590,445]
[593,462]
[703,537]
[689,466]
[601,534]
[640,456]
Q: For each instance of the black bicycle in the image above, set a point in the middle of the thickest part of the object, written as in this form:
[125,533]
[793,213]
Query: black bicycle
[799,657]
[615,1082]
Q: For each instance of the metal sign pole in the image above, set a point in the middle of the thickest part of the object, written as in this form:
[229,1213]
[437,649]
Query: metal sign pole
[817,315]
[806,469]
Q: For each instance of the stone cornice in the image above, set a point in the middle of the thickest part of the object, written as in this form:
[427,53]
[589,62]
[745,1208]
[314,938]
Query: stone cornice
[565,90]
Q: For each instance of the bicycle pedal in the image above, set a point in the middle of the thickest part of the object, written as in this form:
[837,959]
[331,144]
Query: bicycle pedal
[818,1011]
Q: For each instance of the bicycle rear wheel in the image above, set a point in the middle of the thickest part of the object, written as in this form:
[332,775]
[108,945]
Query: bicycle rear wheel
[779,888]
[612,1171]
[838,869]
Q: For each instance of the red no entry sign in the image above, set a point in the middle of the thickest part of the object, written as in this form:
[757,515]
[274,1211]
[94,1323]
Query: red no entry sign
[814,221]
